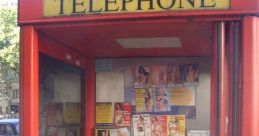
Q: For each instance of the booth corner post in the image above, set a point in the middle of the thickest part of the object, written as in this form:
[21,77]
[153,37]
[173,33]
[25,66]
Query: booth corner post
[90,97]
[250,76]
[29,82]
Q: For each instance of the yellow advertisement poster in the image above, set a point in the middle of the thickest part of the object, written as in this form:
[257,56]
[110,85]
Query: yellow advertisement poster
[84,7]
[72,113]
[104,114]
[183,96]
[144,101]
[176,125]
[140,100]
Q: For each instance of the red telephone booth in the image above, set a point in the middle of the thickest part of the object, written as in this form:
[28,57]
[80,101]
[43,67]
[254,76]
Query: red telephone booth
[78,54]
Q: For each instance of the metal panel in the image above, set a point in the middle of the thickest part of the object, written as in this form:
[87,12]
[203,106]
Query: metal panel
[26,15]
[250,75]
[29,82]
[221,79]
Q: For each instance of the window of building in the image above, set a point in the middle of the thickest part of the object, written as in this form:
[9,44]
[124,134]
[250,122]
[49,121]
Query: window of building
[15,93]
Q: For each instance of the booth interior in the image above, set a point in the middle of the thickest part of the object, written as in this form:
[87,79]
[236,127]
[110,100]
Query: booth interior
[155,71]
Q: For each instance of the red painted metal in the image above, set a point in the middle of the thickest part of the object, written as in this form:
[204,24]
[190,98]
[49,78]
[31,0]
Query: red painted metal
[90,98]
[58,51]
[85,39]
[223,80]
[213,94]
[250,82]
[230,79]
[214,85]
[29,82]
[141,16]
[26,16]
[55,42]
[76,22]
[30,9]
[245,4]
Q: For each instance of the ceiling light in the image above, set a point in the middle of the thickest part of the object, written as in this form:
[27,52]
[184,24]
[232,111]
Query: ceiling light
[154,42]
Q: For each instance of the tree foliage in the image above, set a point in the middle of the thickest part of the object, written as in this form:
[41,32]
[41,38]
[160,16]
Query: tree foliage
[9,40]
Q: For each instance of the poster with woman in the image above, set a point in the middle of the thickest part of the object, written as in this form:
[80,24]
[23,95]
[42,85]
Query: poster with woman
[122,114]
[143,100]
[55,114]
[141,77]
[120,132]
[158,125]
[192,74]
[175,125]
[102,132]
[161,99]
[174,76]
[141,124]
[158,75]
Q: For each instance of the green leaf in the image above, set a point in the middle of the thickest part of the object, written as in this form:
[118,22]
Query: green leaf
[9,41]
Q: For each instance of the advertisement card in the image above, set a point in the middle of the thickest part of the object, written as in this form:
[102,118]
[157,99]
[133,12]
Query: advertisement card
[192,74]
[72,113]
[161,100]
[141,77]
[182,96]
[122,114]
[142,125]
[158,75]
[176,125]
[55,114]
[120,132]
[174,76]
[158,125]
[104,113]
[102,132]
[144,100]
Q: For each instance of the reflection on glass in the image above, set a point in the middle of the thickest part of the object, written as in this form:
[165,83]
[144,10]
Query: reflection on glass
[60,98]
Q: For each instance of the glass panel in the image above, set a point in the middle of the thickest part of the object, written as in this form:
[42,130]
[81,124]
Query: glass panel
[6,130]
[60,98]
[167,96]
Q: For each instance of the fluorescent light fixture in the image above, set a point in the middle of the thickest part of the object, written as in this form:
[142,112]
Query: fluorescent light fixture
[154,42]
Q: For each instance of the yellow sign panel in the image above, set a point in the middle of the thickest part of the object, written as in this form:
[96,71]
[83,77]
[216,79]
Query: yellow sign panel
[86,7]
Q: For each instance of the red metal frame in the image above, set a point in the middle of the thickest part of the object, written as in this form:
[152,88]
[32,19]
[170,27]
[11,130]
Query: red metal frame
[29,84]
[230,79]
[56,50]
[250,74]
[90,98]
[59,52]
[31,46]
[237,7]
[213,94]
[223,80]
[215,85]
